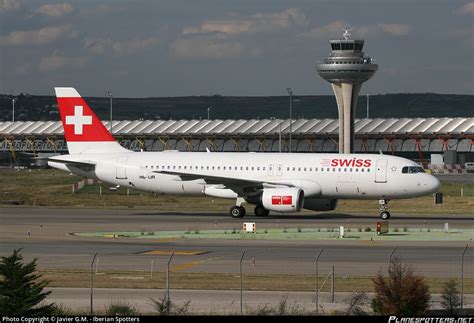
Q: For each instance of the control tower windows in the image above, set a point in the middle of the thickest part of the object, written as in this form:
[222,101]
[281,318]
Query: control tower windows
[347,46]
[359,46]
[336,46]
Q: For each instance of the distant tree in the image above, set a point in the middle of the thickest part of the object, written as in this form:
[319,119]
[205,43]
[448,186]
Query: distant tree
[451,300]
[401,293]
[21,291]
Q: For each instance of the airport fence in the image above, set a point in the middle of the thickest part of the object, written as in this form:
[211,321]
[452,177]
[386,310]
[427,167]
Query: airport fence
[234,280]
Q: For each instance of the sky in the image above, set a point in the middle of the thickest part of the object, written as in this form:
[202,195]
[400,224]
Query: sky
[235,48]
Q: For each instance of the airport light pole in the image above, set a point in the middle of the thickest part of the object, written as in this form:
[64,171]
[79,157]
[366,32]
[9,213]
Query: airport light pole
[209,108]
[290,92]
[13,109]
[110,96]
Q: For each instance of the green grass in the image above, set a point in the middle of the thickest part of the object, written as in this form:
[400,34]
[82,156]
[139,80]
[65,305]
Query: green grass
[53,188]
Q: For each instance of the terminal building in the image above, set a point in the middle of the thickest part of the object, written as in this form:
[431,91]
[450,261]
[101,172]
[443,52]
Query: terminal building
[441,144]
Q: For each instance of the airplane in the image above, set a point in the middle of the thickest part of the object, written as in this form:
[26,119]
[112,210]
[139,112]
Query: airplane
[278,182]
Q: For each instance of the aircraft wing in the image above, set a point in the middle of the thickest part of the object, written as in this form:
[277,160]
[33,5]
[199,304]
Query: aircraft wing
[235,184]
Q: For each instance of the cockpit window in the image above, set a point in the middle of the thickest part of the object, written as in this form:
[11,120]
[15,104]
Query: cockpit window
[412,170]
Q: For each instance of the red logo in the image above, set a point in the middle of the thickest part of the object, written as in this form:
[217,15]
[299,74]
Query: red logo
[282,200]
[79,122]
[354,162]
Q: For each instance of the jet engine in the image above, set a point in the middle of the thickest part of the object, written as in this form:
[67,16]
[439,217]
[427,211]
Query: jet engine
[287,199]
[320,204]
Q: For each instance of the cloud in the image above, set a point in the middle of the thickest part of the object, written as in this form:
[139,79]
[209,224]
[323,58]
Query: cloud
[331,30]
[24,69]
[467,9]
[119,48]
[229,38]
[260,22]
[207,46]
[57,61]
[335,29]
[394,29]
[55,10]
[35,37]
[7,5]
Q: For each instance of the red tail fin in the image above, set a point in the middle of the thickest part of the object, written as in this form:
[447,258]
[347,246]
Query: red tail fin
[83,130]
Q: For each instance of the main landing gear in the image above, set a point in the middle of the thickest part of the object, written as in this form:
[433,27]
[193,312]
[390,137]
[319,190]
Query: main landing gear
[261,211]
[237,212]
[384,214]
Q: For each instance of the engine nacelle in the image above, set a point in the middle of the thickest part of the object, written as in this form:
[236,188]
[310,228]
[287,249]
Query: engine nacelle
[320,204]
[287,199]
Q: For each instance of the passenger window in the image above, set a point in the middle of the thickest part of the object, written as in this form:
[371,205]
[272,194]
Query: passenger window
[357,170]
[362,170]
[252,167]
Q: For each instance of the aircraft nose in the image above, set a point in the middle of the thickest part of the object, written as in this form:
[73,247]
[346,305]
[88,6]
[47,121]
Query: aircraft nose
[432,184]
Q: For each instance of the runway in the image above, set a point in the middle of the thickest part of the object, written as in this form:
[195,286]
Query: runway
[48,240]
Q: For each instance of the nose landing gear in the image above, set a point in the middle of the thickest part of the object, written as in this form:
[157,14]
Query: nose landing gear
[384,214]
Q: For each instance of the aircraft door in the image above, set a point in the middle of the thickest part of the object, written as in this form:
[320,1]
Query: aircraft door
[381,171]
[121,168]
[270,170]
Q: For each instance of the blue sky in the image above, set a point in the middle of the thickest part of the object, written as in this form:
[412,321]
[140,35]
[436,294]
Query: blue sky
[258,47]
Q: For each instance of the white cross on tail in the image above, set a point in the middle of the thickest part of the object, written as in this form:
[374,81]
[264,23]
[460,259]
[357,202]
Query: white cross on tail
[78,120]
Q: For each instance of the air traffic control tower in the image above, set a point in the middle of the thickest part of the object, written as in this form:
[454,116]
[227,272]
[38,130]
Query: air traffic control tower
[346,68]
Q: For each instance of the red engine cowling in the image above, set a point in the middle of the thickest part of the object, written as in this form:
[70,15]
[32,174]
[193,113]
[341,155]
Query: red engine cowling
[289,199]
[320,204]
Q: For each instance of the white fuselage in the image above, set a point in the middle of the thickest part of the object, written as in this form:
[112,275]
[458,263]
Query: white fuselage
[335,176]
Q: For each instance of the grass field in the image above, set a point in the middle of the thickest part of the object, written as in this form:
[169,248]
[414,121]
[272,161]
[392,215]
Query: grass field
[220,281]
[53,188]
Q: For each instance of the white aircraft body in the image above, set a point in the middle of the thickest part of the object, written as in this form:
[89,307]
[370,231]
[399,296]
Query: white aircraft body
[279,182]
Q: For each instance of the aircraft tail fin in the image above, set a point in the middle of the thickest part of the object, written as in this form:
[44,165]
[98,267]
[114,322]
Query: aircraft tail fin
[83,130]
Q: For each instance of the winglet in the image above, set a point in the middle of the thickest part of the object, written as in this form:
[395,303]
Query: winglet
[207,150]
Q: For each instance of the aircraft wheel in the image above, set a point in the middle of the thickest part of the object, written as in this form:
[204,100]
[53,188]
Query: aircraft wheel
[261,211]
[385,215]
[237,212]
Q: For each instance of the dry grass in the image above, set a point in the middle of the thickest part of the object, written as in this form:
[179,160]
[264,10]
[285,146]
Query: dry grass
[220,281]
